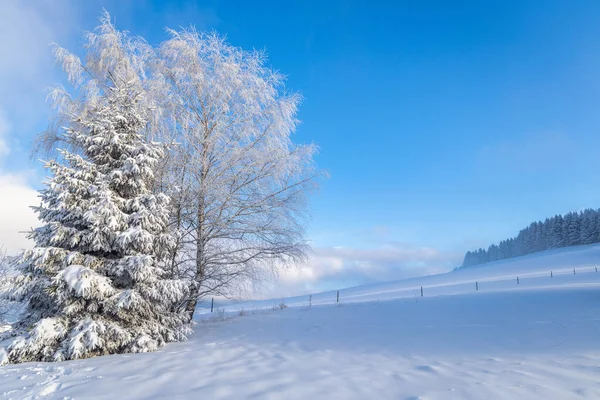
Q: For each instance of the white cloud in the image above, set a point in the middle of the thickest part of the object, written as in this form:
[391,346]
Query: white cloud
[26,32]
[27,67]
[26,70]
[336,267]
[16,197]
[16,216]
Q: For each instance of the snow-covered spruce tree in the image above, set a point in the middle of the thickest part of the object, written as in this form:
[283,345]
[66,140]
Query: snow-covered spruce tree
[95,281]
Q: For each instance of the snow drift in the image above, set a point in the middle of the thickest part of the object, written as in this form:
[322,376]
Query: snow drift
[537,339]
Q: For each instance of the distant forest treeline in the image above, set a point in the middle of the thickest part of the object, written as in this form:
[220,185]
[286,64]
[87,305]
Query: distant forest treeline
[572,229]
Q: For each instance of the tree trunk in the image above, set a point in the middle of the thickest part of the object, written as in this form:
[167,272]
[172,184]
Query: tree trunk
[201,238]
[200,262]
[190,307]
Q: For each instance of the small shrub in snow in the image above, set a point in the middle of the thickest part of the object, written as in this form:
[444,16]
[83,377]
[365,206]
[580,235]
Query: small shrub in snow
[217,316]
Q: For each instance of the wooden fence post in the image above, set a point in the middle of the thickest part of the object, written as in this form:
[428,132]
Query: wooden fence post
[309,300]
[338,297]
[517,280]
[551,276]
[212,304]
[476,285]
[573,271]
[421,291]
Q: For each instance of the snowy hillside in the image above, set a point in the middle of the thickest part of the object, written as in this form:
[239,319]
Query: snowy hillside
[538,339]
[499,275]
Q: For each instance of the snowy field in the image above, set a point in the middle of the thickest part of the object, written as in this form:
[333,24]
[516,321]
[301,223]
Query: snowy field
[538,339]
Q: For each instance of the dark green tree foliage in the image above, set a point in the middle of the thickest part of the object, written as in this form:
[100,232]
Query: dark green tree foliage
[572,229]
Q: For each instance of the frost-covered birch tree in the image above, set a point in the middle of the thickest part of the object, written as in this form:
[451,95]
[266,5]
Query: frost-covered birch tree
[238,181]
[95,282]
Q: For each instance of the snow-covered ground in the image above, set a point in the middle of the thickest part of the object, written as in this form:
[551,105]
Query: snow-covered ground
[539,339]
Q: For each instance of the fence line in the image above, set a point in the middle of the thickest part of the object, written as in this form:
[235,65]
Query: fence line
[451,288]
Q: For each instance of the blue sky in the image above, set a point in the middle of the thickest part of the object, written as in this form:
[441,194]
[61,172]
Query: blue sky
[444,125]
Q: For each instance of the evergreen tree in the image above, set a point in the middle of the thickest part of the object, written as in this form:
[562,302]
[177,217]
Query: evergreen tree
[558,232]
[571,230]
[586,226]
[95,281]
[538,237]
[493,253]
[469,259]
[595,231]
